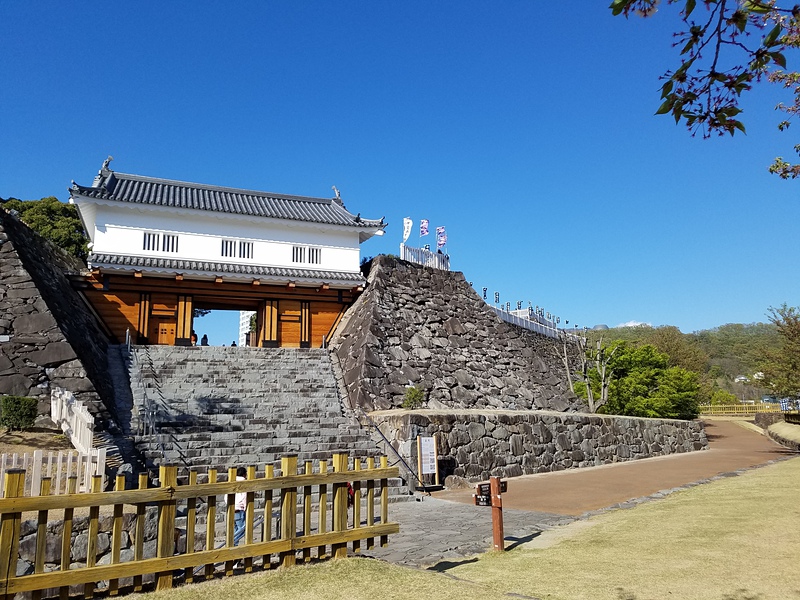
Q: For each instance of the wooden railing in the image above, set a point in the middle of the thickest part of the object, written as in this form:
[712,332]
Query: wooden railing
[73,418]
[321,523]
[740,409]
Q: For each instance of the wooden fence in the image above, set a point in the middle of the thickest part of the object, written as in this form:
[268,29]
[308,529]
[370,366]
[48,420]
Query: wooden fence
[58,467]
[740,409]
[312,516]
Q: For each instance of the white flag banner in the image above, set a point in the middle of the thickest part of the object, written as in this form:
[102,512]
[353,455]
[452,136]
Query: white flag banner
[407,225]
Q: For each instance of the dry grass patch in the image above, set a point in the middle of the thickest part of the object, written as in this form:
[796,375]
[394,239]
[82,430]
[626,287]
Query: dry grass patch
[347,579]
[732,539]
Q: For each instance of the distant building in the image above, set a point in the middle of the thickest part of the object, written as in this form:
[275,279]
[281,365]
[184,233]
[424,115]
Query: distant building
[161,248]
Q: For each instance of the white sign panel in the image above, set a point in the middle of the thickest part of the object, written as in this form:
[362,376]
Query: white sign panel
[427,452]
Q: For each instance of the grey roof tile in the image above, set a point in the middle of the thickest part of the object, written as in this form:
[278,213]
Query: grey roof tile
[178,265]
[137,189]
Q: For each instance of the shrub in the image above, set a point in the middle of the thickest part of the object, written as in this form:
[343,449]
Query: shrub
[414,398]
[18,412]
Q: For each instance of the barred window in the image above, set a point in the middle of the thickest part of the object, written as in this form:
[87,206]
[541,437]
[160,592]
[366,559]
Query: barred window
[228,248]
[315,255]
[245,249]
[298,254]
[170,243]
[150,241]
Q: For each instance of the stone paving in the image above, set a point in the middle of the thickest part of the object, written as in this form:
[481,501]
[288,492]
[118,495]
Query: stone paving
[434,530]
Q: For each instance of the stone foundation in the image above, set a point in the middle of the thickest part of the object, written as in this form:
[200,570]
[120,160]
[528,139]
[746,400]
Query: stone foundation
[477,444]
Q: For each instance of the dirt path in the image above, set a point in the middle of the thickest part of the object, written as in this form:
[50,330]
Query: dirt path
[574,492]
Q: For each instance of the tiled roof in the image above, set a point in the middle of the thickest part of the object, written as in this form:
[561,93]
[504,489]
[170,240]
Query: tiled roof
[177,265]
[136,189]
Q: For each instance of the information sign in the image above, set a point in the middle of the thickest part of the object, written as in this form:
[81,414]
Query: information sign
[484,489]
[427,454]
[481,500]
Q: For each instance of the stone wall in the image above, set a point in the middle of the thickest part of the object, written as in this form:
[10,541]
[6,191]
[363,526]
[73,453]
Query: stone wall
[429,328]
[474,445]
[47,335]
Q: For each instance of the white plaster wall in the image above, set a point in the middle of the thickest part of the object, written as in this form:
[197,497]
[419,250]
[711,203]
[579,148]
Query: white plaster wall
[200,237]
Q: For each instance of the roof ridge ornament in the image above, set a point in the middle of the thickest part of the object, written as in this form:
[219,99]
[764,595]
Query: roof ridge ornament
[103,173]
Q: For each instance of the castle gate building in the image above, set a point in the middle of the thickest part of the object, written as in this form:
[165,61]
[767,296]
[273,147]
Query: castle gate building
[160,249]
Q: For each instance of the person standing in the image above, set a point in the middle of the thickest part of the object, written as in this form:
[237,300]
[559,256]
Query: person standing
[240,505]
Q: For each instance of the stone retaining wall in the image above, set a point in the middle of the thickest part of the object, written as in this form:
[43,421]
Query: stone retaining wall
[47,335]
[420,326]
[474,445]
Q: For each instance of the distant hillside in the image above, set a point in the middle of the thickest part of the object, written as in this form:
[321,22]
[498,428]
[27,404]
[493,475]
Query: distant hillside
[720,354]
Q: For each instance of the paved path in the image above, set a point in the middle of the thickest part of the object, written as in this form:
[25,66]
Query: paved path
[447,527]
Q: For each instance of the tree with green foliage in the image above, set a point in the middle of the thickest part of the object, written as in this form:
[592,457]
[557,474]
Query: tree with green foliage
[781,367]
[725,47]
[56,221]
[641,383]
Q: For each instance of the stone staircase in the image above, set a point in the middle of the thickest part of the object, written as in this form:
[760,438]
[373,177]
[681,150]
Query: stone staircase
[216,407]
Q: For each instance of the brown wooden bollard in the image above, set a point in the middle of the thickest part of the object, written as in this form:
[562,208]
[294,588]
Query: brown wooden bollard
[497,514]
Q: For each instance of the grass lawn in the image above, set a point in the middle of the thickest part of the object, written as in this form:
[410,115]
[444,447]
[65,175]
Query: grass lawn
[734,539]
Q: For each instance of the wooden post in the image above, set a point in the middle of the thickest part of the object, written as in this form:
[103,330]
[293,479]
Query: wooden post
[309,470]
[66,537]
[14,486]
[249,517]
[288,508]
[384,501]
[497,514]
[211,519]
[116,535]
[266,529]
[41,536]
[322,527]
[138,547]
[370,501]
[339,505]
[168,475]
[94,527]
[191,522]
[356,503]
[230,518]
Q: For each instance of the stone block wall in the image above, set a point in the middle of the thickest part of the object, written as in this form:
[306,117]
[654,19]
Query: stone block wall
[47,335]
[421,326]
[474,445]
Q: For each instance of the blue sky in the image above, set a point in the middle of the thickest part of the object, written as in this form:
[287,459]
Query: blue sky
[526,128]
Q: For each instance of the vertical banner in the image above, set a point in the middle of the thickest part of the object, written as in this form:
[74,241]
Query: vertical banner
[423,227]
[407,224]
[441,237]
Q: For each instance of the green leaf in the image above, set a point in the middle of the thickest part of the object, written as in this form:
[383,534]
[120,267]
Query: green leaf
[665,106]
[755,6]
[778,59]
[769,40]
[690,4]
[740,126]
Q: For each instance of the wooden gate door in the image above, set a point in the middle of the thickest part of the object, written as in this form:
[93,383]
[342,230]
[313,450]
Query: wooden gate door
[162,331]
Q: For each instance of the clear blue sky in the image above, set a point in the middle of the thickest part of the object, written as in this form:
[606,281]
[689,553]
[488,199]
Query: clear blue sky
[526,128]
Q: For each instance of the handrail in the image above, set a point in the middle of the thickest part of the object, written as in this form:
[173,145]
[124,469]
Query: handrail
[389,445]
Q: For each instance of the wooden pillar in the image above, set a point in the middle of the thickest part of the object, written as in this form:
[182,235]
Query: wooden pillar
[142,329]
[305,324]
[183,333]
[268,324]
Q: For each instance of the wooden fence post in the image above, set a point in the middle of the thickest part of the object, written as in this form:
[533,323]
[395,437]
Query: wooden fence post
[14,486]
[138,547]
[266,529]
[66,537]
[249,517]
[94,527]
[370,501]
[116,535]
[230,520]
[357,503]
[288,508]
[191,521]
[41,536]
[309,470]
[339,505]
[322,527]
[168,475]
[384,501]
[211,520]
